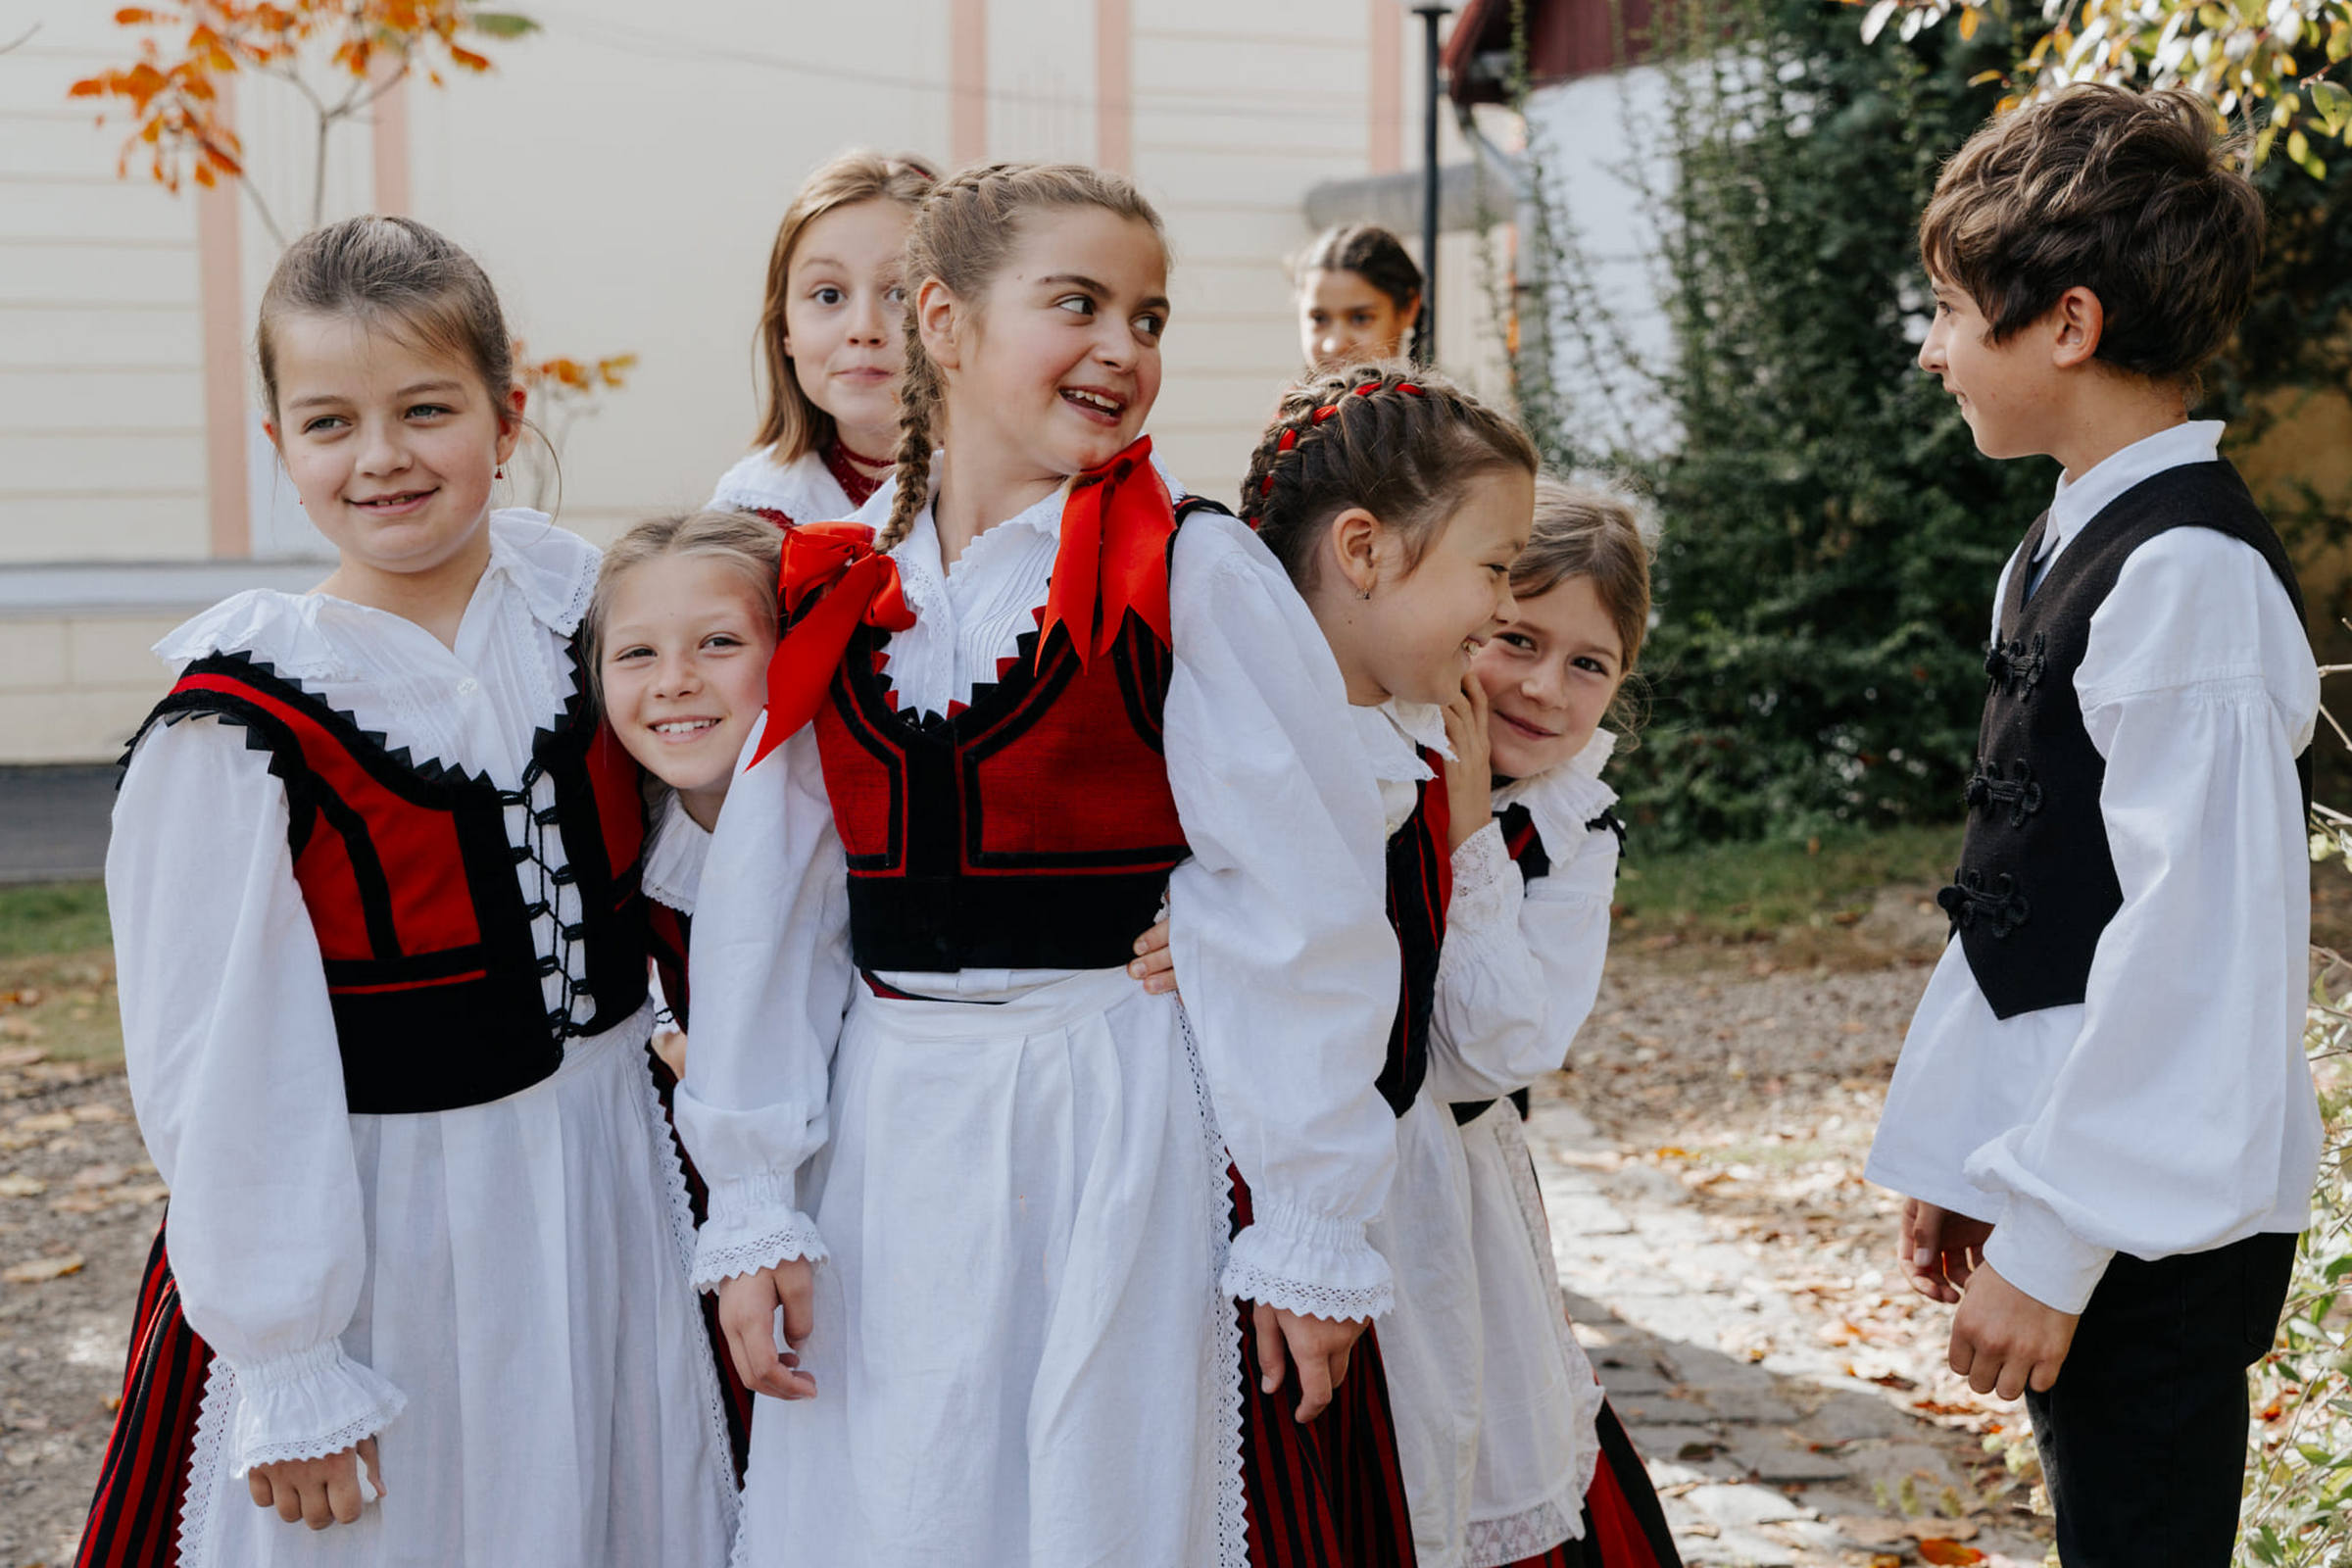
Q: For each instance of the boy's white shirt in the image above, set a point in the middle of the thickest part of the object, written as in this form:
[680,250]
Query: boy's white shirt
[2171,1111]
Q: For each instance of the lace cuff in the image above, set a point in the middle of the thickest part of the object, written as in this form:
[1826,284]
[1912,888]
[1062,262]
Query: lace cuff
[1308,1263]
[1487,890]
[754,1224]
[306,1406]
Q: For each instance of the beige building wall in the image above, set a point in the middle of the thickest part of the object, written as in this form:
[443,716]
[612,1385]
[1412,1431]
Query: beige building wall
[620,175]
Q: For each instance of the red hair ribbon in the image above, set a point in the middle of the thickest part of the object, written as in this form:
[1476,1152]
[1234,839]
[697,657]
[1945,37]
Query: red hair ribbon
[1113,557]
[859,587]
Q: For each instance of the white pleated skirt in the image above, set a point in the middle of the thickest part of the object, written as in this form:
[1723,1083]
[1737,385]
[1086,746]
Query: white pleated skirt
[1021,1356]
[1537,1397]
[1430,1341]
[527,1289]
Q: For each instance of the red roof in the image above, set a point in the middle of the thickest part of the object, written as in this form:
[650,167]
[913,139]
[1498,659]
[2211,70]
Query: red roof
[1565,40]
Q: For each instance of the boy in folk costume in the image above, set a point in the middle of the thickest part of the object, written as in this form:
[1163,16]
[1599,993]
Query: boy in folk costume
[2102,1120]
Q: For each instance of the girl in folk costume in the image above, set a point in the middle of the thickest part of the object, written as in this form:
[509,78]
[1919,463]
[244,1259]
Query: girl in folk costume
[1397,503]
[383,981]
[679,631]
[679,634]
[1554,1483]
[996,732]
[830,343]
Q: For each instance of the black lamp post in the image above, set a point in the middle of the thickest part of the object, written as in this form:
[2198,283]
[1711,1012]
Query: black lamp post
[1427,336]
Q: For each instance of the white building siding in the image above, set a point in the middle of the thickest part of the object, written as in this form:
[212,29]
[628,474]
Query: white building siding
[620,177]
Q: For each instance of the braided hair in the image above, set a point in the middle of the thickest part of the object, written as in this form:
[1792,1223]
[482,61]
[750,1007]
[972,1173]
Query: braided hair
[1400,442]
[964,232]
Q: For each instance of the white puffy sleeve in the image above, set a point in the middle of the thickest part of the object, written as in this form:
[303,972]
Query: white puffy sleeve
[1278,923]
[234,1070]
[772,973]
[1522,959]
[2169,1126]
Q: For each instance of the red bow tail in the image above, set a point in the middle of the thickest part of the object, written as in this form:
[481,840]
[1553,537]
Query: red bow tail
[1114,554]
[857,587]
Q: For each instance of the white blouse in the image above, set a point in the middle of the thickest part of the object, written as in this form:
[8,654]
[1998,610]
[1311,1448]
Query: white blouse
[2171,1111]
[1280,926]
[229,1035]
[674,852]
[804,489]
[1522,962]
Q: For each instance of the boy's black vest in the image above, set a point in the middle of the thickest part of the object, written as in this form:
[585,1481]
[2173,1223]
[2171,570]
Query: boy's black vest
[410,879]
[2037,884]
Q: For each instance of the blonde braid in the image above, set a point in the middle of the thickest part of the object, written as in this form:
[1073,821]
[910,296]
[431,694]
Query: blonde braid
[919,395]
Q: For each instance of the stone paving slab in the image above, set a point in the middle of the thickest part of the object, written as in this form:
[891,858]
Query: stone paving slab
[1766,1450]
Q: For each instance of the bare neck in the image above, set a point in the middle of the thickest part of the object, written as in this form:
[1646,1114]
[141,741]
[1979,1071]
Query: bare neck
[434,599]
[2112,415]
[984,484]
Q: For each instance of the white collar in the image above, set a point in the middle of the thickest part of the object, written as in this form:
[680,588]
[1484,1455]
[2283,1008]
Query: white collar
[554,570]
[1563,800]
[804,489]
[673,856]
[2077,501]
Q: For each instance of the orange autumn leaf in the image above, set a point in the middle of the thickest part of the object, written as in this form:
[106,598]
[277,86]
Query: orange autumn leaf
[1947,1553]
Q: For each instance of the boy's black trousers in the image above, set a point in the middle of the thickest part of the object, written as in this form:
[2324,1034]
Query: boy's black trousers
[2144,1436]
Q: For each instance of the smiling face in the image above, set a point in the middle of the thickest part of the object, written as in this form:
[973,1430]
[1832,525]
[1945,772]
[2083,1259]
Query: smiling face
[1550,675]
[683,668]
[1058,366]
[1343,317]
[392,447]
[2009,393]
[1415,637]
[844,318]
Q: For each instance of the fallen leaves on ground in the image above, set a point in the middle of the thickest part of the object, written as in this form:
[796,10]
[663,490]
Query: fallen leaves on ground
[41,1269]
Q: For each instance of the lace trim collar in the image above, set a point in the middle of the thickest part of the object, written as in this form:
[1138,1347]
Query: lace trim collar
[803,490]
[553,570]
[673,858]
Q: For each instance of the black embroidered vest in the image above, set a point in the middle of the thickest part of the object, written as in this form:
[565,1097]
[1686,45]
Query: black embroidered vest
[432,969]
[1420,891]
[2037,884]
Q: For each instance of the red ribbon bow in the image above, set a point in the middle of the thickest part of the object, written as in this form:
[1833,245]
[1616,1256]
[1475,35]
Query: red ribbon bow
[859,587]
[1113,556]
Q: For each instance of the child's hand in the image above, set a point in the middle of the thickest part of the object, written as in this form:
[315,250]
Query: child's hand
[2004,1342]
[1318,1346]
[671,1045]
[1154,965]
[318,1492]
[1938,1249]
[747,1311]
[1470,776]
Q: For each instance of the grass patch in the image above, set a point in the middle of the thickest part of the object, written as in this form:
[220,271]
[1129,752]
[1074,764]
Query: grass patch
[52,918]
[1723,894]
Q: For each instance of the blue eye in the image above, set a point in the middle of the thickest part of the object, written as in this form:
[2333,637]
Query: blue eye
[321,422]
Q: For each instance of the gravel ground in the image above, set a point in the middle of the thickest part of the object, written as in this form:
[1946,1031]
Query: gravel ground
[1702,1160]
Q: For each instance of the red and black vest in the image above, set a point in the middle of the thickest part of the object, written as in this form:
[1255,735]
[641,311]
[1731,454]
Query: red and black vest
[1033,828]
[1420,888]
[670,934]
[411,881]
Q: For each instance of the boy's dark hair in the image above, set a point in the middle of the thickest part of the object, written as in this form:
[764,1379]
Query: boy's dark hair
[2130,195]
[1400,442]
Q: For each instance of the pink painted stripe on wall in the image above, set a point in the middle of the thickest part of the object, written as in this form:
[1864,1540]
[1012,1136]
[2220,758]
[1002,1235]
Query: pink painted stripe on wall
[391,147]
[220,297]
[967,80]
[1114,85]
[1385,152]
